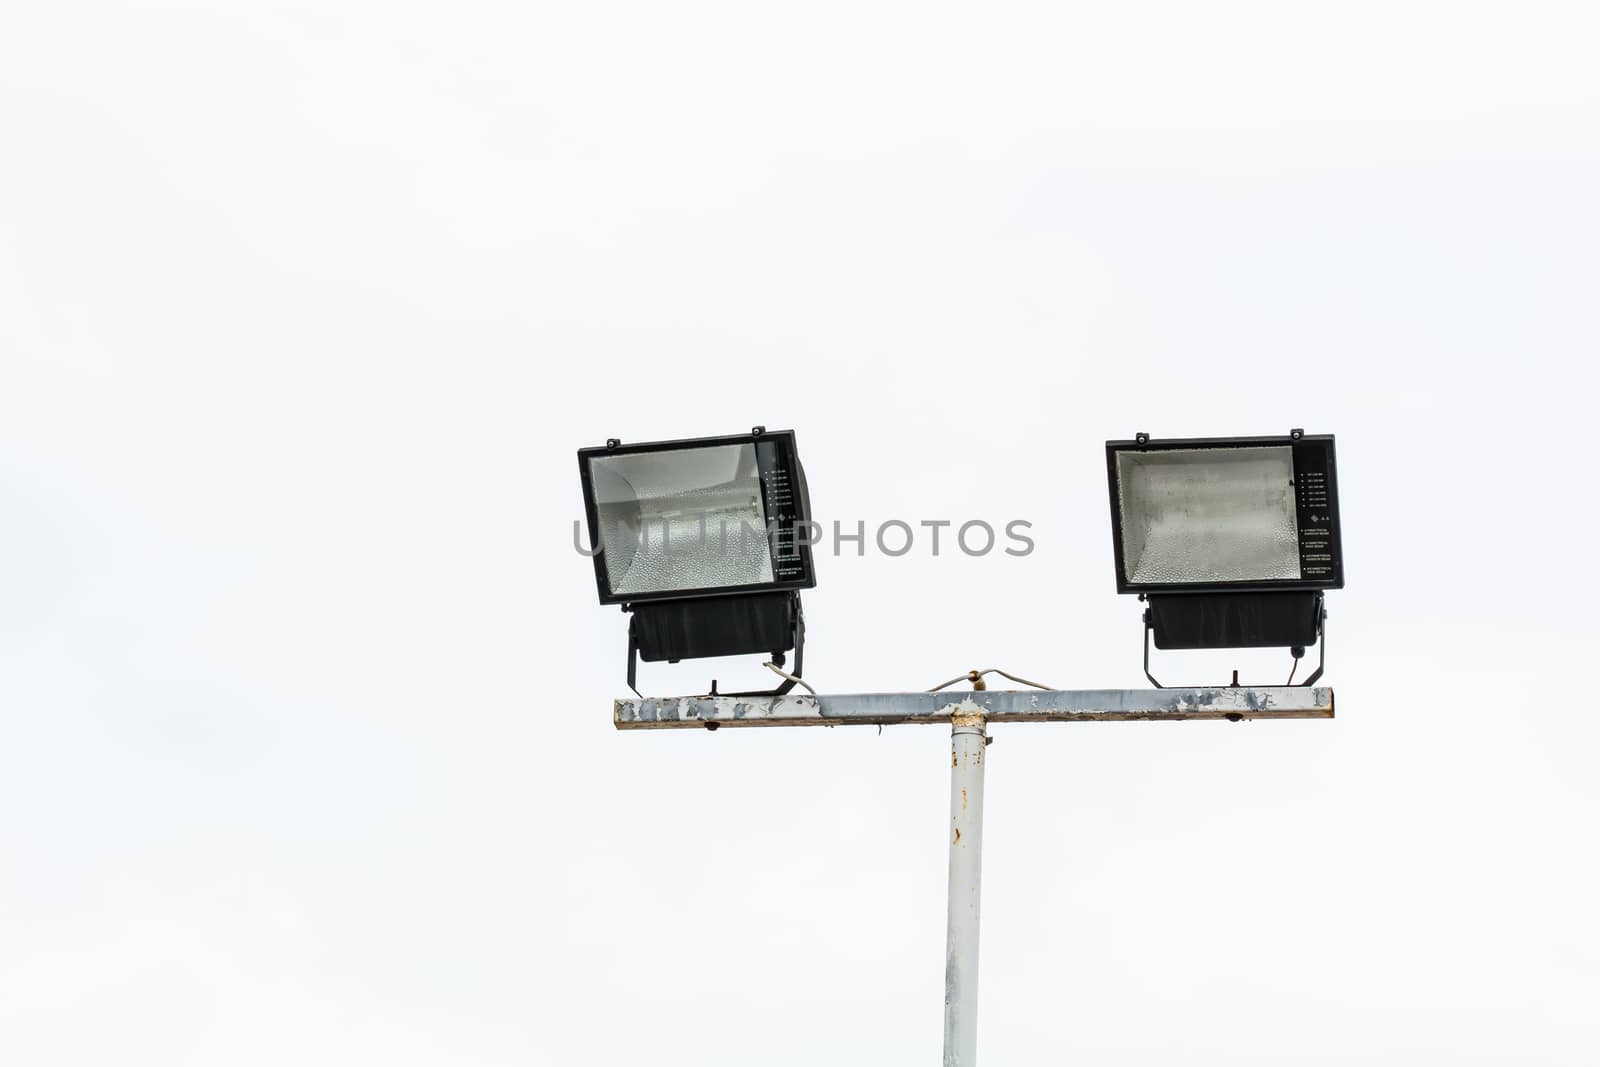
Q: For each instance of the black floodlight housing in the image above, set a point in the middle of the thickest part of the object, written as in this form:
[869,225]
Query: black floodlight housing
[1231,540]
[704,541]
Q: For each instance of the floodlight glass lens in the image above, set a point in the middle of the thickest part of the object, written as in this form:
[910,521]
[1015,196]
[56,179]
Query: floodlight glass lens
[689,518]
[1208,515]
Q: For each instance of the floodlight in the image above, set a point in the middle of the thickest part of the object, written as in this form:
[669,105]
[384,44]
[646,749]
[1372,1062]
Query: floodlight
[1232,540]
[703,542]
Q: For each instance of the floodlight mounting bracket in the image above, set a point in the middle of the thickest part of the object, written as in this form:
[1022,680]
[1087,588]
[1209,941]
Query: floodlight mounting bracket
[797,630]
[1297,652]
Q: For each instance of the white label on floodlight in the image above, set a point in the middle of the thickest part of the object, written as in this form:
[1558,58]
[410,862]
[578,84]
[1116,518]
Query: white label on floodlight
[1197,515]
[689,518]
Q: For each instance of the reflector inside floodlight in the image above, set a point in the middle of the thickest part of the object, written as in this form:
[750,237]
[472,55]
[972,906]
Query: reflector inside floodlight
[686,519]
[1208,515]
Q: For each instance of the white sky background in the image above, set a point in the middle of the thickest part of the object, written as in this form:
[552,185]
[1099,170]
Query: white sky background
[307,751]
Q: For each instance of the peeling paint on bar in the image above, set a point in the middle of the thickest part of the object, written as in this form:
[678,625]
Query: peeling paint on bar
[885,709]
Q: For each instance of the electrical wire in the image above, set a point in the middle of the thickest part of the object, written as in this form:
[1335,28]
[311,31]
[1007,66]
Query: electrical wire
[1292,669]
[1021,681]
[973,676]
[796,679]
[953,681]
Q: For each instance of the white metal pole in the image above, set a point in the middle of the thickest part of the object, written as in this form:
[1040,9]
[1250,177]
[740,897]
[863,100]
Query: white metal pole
[967,741]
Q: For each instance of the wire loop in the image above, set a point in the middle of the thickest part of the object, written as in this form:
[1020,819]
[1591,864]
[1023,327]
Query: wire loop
[975,676]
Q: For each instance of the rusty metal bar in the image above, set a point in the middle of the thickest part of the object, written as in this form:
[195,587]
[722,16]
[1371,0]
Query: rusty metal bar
[885,709]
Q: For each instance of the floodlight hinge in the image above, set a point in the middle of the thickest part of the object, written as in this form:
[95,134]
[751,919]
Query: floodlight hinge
[757,431]
[1322,648]
[1147,628]
[1296,433]
[613,442]
[1141,439]
[633,660]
